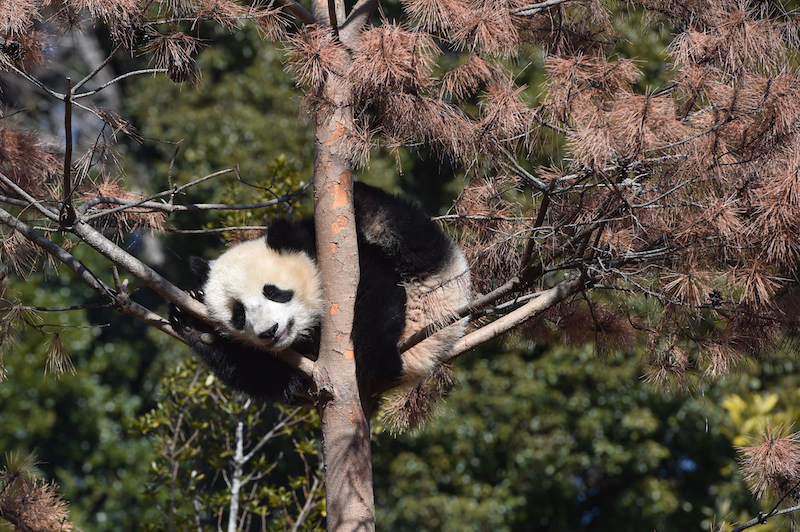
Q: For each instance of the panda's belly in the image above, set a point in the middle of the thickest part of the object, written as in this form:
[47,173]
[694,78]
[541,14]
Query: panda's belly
[433,299]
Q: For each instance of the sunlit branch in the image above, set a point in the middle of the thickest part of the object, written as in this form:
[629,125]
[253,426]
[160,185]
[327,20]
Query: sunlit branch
[433,327]
[533,9]
[547,299]
[475,307]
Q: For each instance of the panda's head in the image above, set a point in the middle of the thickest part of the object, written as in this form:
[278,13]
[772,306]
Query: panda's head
[266,298]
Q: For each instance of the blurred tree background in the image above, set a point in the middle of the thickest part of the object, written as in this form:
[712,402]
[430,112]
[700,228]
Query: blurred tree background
[539,437]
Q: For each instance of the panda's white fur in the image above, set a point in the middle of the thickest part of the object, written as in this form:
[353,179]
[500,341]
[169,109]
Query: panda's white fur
[432,298]
[240,274]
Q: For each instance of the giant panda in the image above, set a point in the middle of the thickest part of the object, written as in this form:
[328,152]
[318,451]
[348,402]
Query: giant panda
[264,296]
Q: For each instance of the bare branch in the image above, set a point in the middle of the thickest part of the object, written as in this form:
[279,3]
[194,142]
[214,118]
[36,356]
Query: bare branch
[30,78]
[120,302]
[359,16]
[533,308]
[533,9]
[66,214]
[761,519]
[147,202]
[99,67]
[299,11]
[120,78]
[44,210]
[307,506]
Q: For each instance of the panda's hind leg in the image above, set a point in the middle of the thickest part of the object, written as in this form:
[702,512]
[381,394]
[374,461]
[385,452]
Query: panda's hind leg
[379,319]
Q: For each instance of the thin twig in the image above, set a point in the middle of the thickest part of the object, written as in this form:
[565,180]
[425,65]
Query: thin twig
[761,519]
[147,203]
[120,78]
[307,506]
[97,70]
[529,11]
[46,211]
[67,215]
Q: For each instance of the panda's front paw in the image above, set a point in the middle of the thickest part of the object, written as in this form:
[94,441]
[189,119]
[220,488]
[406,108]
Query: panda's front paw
[192,330]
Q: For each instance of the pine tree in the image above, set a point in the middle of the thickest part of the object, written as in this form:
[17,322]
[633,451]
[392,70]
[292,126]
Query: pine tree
[672,219]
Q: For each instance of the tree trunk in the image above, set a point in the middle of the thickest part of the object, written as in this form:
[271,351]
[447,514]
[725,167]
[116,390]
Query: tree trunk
[345,423]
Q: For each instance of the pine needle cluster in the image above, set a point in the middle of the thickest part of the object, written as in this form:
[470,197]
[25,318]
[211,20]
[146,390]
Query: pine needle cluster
[771,465]
[30,504]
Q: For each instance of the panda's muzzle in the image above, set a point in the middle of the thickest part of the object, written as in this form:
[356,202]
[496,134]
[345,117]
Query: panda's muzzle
[269,333]
[275,337]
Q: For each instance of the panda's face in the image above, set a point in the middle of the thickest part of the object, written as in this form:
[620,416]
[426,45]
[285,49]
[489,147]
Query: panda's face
[263,297]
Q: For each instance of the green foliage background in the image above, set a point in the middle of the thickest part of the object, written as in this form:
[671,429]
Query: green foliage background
[538,438]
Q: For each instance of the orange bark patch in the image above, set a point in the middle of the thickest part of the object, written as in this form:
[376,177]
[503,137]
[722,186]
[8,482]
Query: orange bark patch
[339,192]
[334,308]
[339,224]
[336,134]
[349,354]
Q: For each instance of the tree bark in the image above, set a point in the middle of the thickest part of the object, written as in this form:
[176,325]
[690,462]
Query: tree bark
[345,420]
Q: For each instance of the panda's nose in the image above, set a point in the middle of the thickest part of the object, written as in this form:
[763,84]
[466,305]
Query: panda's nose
[269,333]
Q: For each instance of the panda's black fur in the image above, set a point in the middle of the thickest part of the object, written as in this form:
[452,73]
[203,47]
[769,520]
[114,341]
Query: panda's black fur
[404,258]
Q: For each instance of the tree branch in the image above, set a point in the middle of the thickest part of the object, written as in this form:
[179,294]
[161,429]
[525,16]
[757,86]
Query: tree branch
[66,214]
[529,11]
[533,308]
[761,519]
[47,212]
[97,70]
[299,11]
[359,16]
[119,301]
[138,269]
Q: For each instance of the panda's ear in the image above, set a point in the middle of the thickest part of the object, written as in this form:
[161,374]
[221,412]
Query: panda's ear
[200,268]
[285,235]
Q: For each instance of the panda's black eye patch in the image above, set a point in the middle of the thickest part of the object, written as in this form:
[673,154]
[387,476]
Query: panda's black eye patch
[278,295]
[237,318]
